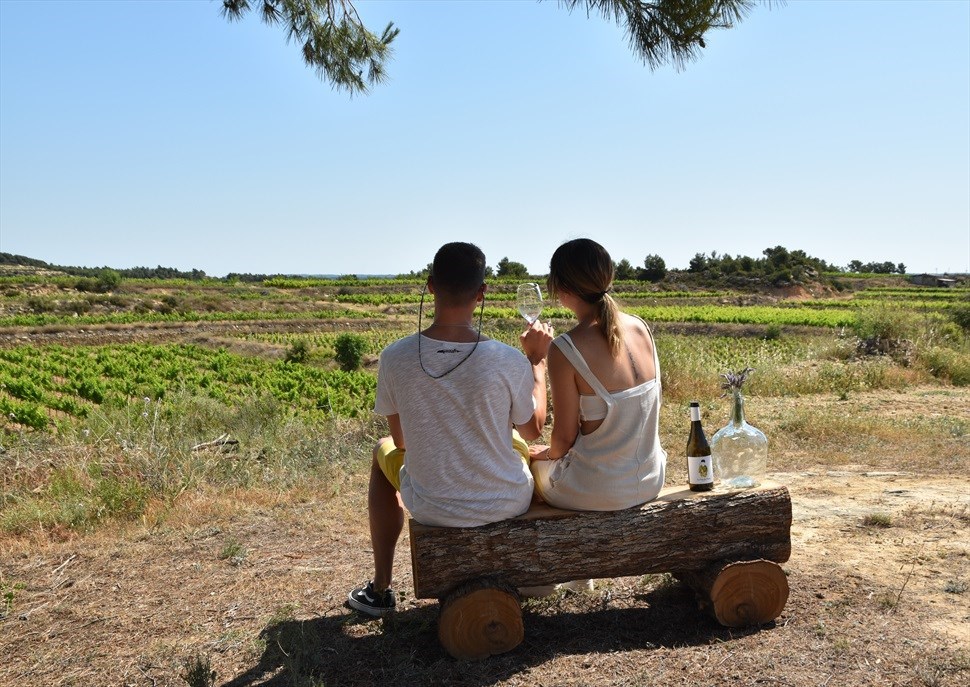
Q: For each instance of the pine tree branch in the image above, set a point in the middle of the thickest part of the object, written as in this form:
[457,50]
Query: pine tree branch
[662,31]
[332,38]
[342,50]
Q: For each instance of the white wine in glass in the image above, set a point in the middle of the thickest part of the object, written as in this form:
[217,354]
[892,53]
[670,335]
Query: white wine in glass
[528,301]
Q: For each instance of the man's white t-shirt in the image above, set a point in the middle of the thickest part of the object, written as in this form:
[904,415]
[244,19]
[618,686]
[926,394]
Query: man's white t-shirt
[460,469]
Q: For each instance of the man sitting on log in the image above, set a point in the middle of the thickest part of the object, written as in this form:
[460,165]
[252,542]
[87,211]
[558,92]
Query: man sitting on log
[454,400]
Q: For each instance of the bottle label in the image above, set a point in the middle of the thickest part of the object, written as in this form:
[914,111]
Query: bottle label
[695,413]
[700,470]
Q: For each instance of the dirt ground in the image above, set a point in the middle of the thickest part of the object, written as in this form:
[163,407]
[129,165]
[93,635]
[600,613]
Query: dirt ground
[879,596]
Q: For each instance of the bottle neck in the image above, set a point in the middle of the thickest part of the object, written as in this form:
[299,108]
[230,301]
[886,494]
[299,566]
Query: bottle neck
[737,409]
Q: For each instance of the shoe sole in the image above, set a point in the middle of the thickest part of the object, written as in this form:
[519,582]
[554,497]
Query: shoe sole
[368,610]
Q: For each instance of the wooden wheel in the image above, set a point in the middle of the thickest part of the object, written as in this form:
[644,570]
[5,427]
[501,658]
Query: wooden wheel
[743,593]
[481,618]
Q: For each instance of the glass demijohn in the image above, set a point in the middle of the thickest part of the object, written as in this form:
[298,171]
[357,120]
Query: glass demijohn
[739,450]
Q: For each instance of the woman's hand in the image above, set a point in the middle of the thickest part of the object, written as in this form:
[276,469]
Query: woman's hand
[539,452]
[536,340]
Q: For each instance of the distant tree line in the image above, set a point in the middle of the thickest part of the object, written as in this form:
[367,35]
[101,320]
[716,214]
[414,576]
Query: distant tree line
[95,272]
[249,277]
[778,266]
[10,259]
[876,267]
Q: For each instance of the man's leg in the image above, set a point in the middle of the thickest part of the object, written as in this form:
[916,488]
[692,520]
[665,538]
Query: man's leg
[386,515]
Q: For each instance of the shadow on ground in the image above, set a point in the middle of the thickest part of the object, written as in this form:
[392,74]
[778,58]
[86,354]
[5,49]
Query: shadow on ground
[405,650]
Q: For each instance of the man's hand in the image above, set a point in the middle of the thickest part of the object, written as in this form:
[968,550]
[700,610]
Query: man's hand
[536,340]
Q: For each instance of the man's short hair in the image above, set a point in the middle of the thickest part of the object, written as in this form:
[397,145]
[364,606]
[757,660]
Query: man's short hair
[458,271]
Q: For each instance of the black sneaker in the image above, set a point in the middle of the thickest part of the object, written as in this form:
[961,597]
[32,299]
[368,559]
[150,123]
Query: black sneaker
[373,603]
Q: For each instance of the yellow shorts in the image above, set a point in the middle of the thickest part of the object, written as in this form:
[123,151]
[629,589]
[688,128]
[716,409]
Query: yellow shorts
[390,458]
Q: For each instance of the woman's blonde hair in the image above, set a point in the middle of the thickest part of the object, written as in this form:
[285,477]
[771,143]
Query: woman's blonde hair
[583,268]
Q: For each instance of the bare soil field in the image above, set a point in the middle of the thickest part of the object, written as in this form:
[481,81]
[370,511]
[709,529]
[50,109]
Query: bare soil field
[166,332]
[879,596]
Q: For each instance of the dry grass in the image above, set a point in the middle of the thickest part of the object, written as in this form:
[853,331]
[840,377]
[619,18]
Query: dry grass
[254,580]
[134,605]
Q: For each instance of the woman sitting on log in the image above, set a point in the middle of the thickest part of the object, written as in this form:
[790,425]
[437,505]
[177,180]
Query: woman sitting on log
[604,373]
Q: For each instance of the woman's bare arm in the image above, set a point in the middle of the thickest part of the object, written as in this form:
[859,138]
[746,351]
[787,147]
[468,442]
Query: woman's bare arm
[565,404]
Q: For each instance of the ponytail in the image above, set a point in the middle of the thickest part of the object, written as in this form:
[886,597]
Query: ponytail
[609,322]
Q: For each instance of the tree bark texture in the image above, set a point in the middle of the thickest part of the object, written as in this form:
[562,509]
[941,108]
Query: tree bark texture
[681,531]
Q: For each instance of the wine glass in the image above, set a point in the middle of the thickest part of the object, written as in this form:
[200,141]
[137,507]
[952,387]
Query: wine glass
[528,301]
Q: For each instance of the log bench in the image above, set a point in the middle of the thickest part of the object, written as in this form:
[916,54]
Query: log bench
[726,545]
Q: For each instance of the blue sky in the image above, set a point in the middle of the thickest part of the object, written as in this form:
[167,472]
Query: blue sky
[155,132]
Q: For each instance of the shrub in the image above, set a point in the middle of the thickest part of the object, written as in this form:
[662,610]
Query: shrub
[41,305]
[882,322]
[298,352]
[78,307]
[961,315]
[108,280]
[772,332]
[877,520]
[947,363]
[199,672]
[885,330]
[349,349]
[86,284]
[168,304]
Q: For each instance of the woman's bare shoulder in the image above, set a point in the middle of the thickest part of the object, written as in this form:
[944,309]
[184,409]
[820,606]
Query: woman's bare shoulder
[636,332]
[633,323]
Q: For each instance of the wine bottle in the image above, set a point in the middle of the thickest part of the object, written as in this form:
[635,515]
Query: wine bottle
[700,467]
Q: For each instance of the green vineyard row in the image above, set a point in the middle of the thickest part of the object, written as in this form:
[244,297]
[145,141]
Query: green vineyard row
[823,315]
[41,385]
[75,380]
[42,320]
[497,295]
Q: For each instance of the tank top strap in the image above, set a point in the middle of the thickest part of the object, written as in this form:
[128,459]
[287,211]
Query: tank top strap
[568,348]
[656,356]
